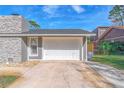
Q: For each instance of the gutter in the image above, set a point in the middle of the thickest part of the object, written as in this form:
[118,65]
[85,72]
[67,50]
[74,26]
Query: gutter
[21,35]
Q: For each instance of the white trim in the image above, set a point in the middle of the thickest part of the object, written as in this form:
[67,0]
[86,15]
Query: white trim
[28,48]
[47,34]
[82,49]
[42,50]
[29,52]
[86,49]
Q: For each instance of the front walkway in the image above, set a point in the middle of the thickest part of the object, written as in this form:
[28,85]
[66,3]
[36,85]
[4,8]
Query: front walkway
[60,75]
[113,75]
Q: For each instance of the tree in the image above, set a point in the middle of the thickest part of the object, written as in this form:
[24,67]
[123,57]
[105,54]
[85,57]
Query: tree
[116,15]
[33,24]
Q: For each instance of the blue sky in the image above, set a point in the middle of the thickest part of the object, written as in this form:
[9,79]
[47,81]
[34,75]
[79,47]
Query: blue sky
[86,17]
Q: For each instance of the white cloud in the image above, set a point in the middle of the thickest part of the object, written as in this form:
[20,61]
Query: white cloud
[54,24]
[51,10]
[78,8]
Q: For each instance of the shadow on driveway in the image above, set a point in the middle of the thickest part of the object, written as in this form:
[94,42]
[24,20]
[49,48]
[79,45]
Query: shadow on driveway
[113,75]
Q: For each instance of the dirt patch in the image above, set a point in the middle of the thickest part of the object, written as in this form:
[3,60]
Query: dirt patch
[91,76]
[64,74]
[22,64]
[10,71]
[96,79]
[16,69]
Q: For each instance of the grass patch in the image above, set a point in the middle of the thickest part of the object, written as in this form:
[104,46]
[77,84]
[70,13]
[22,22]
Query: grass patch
[116,61]
[6,80]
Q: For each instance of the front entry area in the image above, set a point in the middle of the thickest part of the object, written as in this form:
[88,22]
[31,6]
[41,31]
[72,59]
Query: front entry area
[61,48]
[55,48]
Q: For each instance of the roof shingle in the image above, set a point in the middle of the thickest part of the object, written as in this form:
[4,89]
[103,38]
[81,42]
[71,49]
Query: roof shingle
[58,31]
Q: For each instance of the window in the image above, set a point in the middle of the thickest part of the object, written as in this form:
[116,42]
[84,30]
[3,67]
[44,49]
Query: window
[33,44]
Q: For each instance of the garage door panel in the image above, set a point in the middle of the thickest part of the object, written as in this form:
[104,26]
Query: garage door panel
[61,49]
[61,54]
[61,44]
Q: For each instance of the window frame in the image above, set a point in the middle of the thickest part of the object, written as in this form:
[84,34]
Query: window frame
[30,38]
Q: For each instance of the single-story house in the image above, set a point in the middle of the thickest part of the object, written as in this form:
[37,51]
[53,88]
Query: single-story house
[18,43]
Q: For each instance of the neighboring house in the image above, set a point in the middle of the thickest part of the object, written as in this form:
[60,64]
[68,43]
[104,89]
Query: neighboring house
[18,43]
[99,31]
[113,34]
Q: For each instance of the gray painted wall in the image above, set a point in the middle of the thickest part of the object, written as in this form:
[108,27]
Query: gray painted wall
[84,49]
[24,49]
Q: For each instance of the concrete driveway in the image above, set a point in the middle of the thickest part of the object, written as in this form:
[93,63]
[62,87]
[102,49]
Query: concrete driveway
[60,75]
[113,75]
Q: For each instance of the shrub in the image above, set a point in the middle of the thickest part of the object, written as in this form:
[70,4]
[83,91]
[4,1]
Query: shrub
[106,47]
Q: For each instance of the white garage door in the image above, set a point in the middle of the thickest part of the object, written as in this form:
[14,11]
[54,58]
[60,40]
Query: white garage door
[61,48]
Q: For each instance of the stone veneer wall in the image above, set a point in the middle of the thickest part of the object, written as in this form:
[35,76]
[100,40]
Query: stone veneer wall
[10,49]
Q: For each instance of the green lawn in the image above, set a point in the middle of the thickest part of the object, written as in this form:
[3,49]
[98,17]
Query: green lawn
[6,80]
[116,61]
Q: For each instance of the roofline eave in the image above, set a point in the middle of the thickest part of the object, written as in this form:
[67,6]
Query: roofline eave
[47,35]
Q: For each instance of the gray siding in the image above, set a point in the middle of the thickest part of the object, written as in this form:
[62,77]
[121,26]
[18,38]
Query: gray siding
[39,50]
[24,49]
